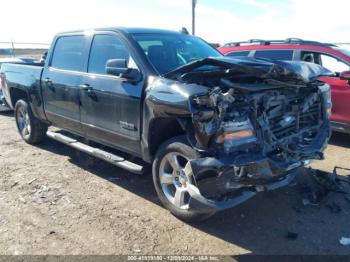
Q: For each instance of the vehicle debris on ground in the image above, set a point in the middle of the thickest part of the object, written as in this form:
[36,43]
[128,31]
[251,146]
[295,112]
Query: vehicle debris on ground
[326,183]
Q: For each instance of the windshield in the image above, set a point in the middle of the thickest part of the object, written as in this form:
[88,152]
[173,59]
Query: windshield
[167,52]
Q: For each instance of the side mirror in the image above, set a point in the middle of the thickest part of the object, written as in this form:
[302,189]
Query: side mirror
[119,67]
[345,75]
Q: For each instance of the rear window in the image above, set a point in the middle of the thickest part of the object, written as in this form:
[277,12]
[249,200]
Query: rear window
[68,53]
[275,54]
[238,53]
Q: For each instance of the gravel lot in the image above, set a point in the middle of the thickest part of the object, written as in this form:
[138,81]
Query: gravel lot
[55,200]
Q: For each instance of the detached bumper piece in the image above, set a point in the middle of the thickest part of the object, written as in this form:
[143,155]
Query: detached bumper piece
[225,183]
[202,204]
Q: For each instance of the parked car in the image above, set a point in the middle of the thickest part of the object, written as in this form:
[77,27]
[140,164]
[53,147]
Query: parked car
[329,56]
[3,105]
[216,130]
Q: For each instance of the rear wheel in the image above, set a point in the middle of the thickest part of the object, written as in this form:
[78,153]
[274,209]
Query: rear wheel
[173,186]
[31,129]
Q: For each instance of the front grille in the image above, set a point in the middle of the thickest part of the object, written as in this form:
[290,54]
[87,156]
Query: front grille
[299,120]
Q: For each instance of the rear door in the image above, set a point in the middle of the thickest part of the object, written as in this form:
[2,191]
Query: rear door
[110,105]
[61,79]
[340,88]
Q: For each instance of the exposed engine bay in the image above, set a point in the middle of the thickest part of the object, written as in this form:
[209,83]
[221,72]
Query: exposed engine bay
[257,122]
[280,122]
[254,122]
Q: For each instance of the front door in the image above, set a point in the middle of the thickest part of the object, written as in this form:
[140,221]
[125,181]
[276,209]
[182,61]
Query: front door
[110,105]
[340,99]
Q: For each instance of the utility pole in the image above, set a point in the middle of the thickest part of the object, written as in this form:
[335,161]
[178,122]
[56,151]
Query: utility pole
[194,3]
[13,48]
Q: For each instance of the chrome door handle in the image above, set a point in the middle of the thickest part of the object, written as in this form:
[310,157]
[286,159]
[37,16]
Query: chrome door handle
[86,87]
[49,85]
[48,81]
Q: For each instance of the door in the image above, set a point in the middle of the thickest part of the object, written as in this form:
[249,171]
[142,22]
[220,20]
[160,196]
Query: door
[60,82]
[340,88]
[110,105]
[340,99]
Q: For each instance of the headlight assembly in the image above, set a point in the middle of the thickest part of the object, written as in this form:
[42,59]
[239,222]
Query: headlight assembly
[235,133]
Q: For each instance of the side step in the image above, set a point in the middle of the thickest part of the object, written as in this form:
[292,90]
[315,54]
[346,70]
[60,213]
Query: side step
[101,154]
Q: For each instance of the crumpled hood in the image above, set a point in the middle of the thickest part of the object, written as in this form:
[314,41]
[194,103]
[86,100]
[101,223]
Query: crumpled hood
[259,68]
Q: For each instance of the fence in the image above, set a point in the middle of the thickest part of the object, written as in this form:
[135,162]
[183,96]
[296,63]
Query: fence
[22,49]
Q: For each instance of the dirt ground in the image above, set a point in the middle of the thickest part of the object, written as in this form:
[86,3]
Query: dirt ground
[55,200]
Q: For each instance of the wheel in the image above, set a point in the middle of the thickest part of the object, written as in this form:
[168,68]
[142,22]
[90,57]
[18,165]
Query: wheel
[31,129]
[170,180]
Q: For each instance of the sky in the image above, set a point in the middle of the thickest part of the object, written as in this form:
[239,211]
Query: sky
[219,21]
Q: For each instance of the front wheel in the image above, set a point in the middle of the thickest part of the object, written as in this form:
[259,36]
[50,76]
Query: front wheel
[31,129]
[171,182]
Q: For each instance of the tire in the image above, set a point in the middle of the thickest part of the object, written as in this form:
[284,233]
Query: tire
[167,190]
[31,129]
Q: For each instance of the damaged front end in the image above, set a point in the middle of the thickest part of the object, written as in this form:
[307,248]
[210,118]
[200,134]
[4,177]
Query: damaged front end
[257,123]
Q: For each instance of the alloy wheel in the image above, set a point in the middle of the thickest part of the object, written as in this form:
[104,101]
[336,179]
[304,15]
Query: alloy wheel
[23,122]
[177,186]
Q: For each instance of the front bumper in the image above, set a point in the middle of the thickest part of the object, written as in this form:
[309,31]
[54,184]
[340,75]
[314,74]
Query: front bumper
[219,177]
[215,177]
[201,204]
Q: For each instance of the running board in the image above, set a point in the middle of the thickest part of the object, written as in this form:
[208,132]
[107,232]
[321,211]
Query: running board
[101,154]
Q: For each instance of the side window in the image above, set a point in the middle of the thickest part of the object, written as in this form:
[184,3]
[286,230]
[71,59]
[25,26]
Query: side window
[104,48]
[238,53]
[311,57]
[275,54]
[333,64]
[68,53]
[327,61]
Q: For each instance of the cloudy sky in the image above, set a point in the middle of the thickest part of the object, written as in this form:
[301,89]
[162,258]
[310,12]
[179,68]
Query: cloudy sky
[217,21]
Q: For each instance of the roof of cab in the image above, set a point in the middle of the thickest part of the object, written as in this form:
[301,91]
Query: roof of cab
[125,30]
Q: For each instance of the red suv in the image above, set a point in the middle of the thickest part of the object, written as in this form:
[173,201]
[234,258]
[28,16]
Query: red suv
[329,56]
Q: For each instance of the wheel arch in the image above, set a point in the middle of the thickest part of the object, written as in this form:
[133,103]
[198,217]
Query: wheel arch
[160,130]
[17,94]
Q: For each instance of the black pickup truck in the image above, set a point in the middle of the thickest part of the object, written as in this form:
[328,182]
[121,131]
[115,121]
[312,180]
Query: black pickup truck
[216,130]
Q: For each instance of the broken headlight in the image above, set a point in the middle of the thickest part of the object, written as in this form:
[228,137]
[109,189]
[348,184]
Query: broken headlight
[234,134]
[327,98]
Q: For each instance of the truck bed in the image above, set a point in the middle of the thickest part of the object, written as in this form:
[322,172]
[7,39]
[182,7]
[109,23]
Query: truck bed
[19,76]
